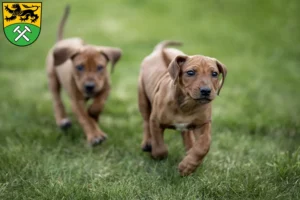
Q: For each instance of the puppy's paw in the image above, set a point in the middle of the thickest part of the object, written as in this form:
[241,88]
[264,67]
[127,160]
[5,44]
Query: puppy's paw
[146,147]
[159,153]
[187,166]
[97,140]
[65,124]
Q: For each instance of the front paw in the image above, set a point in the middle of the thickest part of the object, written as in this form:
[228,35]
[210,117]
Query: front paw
[159,153]
[146,146]
[65,124]
[96,139]
[188,165]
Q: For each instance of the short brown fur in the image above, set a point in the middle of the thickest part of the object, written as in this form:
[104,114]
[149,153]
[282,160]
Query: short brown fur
[81,70]
[170,98]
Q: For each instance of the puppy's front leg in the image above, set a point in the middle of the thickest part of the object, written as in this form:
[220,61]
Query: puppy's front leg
[197,153]
[188,139]
[90,127]
[159,149]
[97,106]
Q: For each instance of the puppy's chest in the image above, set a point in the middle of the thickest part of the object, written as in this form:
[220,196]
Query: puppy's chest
[171,116]
[180,123]
[181,126]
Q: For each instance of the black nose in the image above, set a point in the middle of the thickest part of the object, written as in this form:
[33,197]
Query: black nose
[205,91]
[89,87]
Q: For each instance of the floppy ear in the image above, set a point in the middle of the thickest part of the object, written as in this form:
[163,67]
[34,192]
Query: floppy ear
[61,55]
[65,49]
[222,69]
[175,65]
[112,54]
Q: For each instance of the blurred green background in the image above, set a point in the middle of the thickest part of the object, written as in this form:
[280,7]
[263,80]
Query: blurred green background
[255,148]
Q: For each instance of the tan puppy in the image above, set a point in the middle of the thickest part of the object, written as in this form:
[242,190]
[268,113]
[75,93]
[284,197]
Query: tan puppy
[81,70]
[176,91]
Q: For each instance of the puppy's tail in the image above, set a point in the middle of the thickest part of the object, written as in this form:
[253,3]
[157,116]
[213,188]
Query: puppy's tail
[62,23]
[160,47]
[165,43]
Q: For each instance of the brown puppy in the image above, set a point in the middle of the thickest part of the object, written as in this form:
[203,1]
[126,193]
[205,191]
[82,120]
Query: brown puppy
[81,70]
[176,91]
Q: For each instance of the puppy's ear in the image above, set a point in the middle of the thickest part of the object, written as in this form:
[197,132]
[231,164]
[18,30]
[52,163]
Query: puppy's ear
[222,69]
[175,66]
[61,55]
[65,49]
[112,54]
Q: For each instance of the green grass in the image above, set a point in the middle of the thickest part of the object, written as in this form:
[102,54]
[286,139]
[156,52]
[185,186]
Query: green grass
[255,152]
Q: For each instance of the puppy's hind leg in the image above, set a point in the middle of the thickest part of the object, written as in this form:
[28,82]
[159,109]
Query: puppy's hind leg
[59,110]
[145,109]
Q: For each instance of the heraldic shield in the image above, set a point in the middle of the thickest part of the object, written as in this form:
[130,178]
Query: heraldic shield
[22,22]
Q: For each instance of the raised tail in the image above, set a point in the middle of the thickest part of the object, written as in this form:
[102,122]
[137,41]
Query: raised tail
[160,47]
[165,43]
[62,23]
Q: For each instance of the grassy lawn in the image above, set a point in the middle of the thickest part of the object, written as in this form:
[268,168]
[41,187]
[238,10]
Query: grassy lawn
[255,152]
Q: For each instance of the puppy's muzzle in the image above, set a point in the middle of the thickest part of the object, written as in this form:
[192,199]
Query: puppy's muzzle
[89,87]
[205,92]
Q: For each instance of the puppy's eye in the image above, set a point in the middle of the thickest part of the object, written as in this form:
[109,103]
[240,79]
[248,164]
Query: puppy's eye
[214,74]
[191,73]
[99,68]
[80,67]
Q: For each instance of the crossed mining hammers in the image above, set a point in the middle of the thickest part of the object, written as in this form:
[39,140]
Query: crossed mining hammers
[22,34]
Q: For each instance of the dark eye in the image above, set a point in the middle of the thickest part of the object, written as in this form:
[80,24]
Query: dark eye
[191,73]
[99,68]
[214,74]
[80,68]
